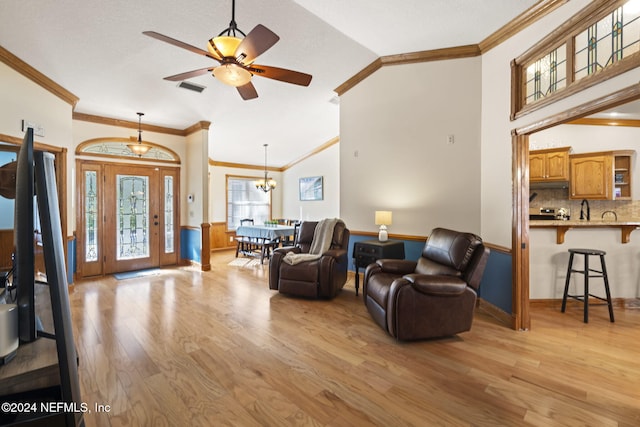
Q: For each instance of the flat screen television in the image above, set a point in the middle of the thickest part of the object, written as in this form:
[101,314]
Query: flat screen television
[23,273]
[52,242]
[36,170]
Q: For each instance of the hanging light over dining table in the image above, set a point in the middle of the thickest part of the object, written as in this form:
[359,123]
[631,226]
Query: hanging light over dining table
[267,184]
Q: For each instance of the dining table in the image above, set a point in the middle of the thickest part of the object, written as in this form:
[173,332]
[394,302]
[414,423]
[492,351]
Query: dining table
[265,231]
[265,237]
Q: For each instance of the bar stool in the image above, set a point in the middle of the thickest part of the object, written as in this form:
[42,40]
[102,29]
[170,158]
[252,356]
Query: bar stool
[587,274]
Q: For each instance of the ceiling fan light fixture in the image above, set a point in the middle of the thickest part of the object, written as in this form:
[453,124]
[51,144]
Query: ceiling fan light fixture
[223,46]
[232,74]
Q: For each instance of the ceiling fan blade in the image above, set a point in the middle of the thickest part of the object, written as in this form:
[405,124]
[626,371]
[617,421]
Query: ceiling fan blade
[282,74]
[247,91]
[178,43]
[258,41]
[189,74]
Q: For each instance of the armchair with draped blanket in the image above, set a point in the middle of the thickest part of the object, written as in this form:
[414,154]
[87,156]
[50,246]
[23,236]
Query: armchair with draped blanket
[320,275]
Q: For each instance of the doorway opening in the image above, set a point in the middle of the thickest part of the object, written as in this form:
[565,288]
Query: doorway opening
[520,217]
[127,217]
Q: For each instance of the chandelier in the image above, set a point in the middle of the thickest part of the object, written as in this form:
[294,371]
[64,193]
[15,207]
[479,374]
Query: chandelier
[266,184]
[139,149]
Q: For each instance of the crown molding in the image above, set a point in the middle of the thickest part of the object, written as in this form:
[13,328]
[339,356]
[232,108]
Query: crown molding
[520,22]
[37,77]
[528,17]
[315,151]
[203,125]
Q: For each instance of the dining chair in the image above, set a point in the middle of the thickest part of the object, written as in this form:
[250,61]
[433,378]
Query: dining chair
[245,244]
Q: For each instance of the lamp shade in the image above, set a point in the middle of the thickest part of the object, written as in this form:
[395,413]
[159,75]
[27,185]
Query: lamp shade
[383,217]
[223,46]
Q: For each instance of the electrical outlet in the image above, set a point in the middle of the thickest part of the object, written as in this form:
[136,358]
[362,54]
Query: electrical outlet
[450,139]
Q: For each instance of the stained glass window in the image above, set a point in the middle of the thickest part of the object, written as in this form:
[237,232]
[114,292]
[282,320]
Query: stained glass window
[546,75]
[91,216]
[601,35]
[609,40]
[132,217]
[168,215]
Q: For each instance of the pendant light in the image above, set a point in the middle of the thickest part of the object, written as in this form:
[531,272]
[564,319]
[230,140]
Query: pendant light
[266,184]
[139,149]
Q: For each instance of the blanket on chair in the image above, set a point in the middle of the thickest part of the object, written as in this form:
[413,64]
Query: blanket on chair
[321,243]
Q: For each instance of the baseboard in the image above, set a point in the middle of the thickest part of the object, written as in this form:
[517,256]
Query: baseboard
[497,313]
[624,303]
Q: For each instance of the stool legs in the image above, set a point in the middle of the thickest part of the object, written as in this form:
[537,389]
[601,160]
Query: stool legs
[566,283]
[606,288]
[586,272]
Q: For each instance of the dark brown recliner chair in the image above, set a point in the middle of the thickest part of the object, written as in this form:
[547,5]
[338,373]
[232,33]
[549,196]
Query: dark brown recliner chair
[321,278]
[432,297]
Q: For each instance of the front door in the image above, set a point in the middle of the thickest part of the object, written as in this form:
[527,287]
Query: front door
[128,218]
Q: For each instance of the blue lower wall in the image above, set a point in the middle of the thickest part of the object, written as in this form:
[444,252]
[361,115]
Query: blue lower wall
[495,287]
[190,244]
[71,260]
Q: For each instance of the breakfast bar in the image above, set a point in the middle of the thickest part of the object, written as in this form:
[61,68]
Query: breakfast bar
[562,226]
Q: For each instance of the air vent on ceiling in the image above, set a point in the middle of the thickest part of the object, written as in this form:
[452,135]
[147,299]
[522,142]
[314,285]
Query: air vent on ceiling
[192,86]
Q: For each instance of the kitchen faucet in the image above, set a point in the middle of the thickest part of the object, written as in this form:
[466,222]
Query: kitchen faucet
[588,210]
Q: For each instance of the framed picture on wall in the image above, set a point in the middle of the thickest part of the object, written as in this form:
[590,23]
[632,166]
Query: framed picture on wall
[311,188]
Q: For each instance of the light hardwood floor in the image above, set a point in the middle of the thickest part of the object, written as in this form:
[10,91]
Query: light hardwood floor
[187,348]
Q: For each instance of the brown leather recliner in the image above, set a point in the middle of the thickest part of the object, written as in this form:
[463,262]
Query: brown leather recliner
[432,297]
[321,278]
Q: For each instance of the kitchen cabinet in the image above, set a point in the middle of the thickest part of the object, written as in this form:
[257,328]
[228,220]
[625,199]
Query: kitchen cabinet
[604,175]
[549,165]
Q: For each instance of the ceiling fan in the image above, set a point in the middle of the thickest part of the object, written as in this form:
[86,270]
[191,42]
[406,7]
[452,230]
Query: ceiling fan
[236,56]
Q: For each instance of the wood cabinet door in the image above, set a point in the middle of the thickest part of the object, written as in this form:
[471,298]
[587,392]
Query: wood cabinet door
[558,166]
[537,169]
[591,177]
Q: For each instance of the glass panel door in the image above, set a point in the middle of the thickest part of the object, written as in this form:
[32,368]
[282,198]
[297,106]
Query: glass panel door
[89,238]
[132,212]
[169,218]
[132,217]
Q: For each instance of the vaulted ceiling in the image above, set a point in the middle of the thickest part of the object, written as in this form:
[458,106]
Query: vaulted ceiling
[96,50]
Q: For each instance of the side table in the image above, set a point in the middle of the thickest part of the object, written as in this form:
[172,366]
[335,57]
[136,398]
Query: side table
[368,251]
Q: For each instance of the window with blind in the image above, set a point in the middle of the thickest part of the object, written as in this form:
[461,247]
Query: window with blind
[244,200]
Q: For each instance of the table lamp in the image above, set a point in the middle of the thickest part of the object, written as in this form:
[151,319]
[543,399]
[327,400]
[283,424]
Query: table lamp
[383,218]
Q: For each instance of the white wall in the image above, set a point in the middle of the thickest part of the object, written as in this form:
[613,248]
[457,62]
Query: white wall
[23,99]
[394,153]
[326,164]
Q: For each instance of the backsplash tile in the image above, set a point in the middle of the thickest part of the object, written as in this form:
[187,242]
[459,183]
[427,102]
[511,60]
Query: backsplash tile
[559,198]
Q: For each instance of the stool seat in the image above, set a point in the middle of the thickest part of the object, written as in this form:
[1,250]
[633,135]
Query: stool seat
[587,273]
[587,251]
